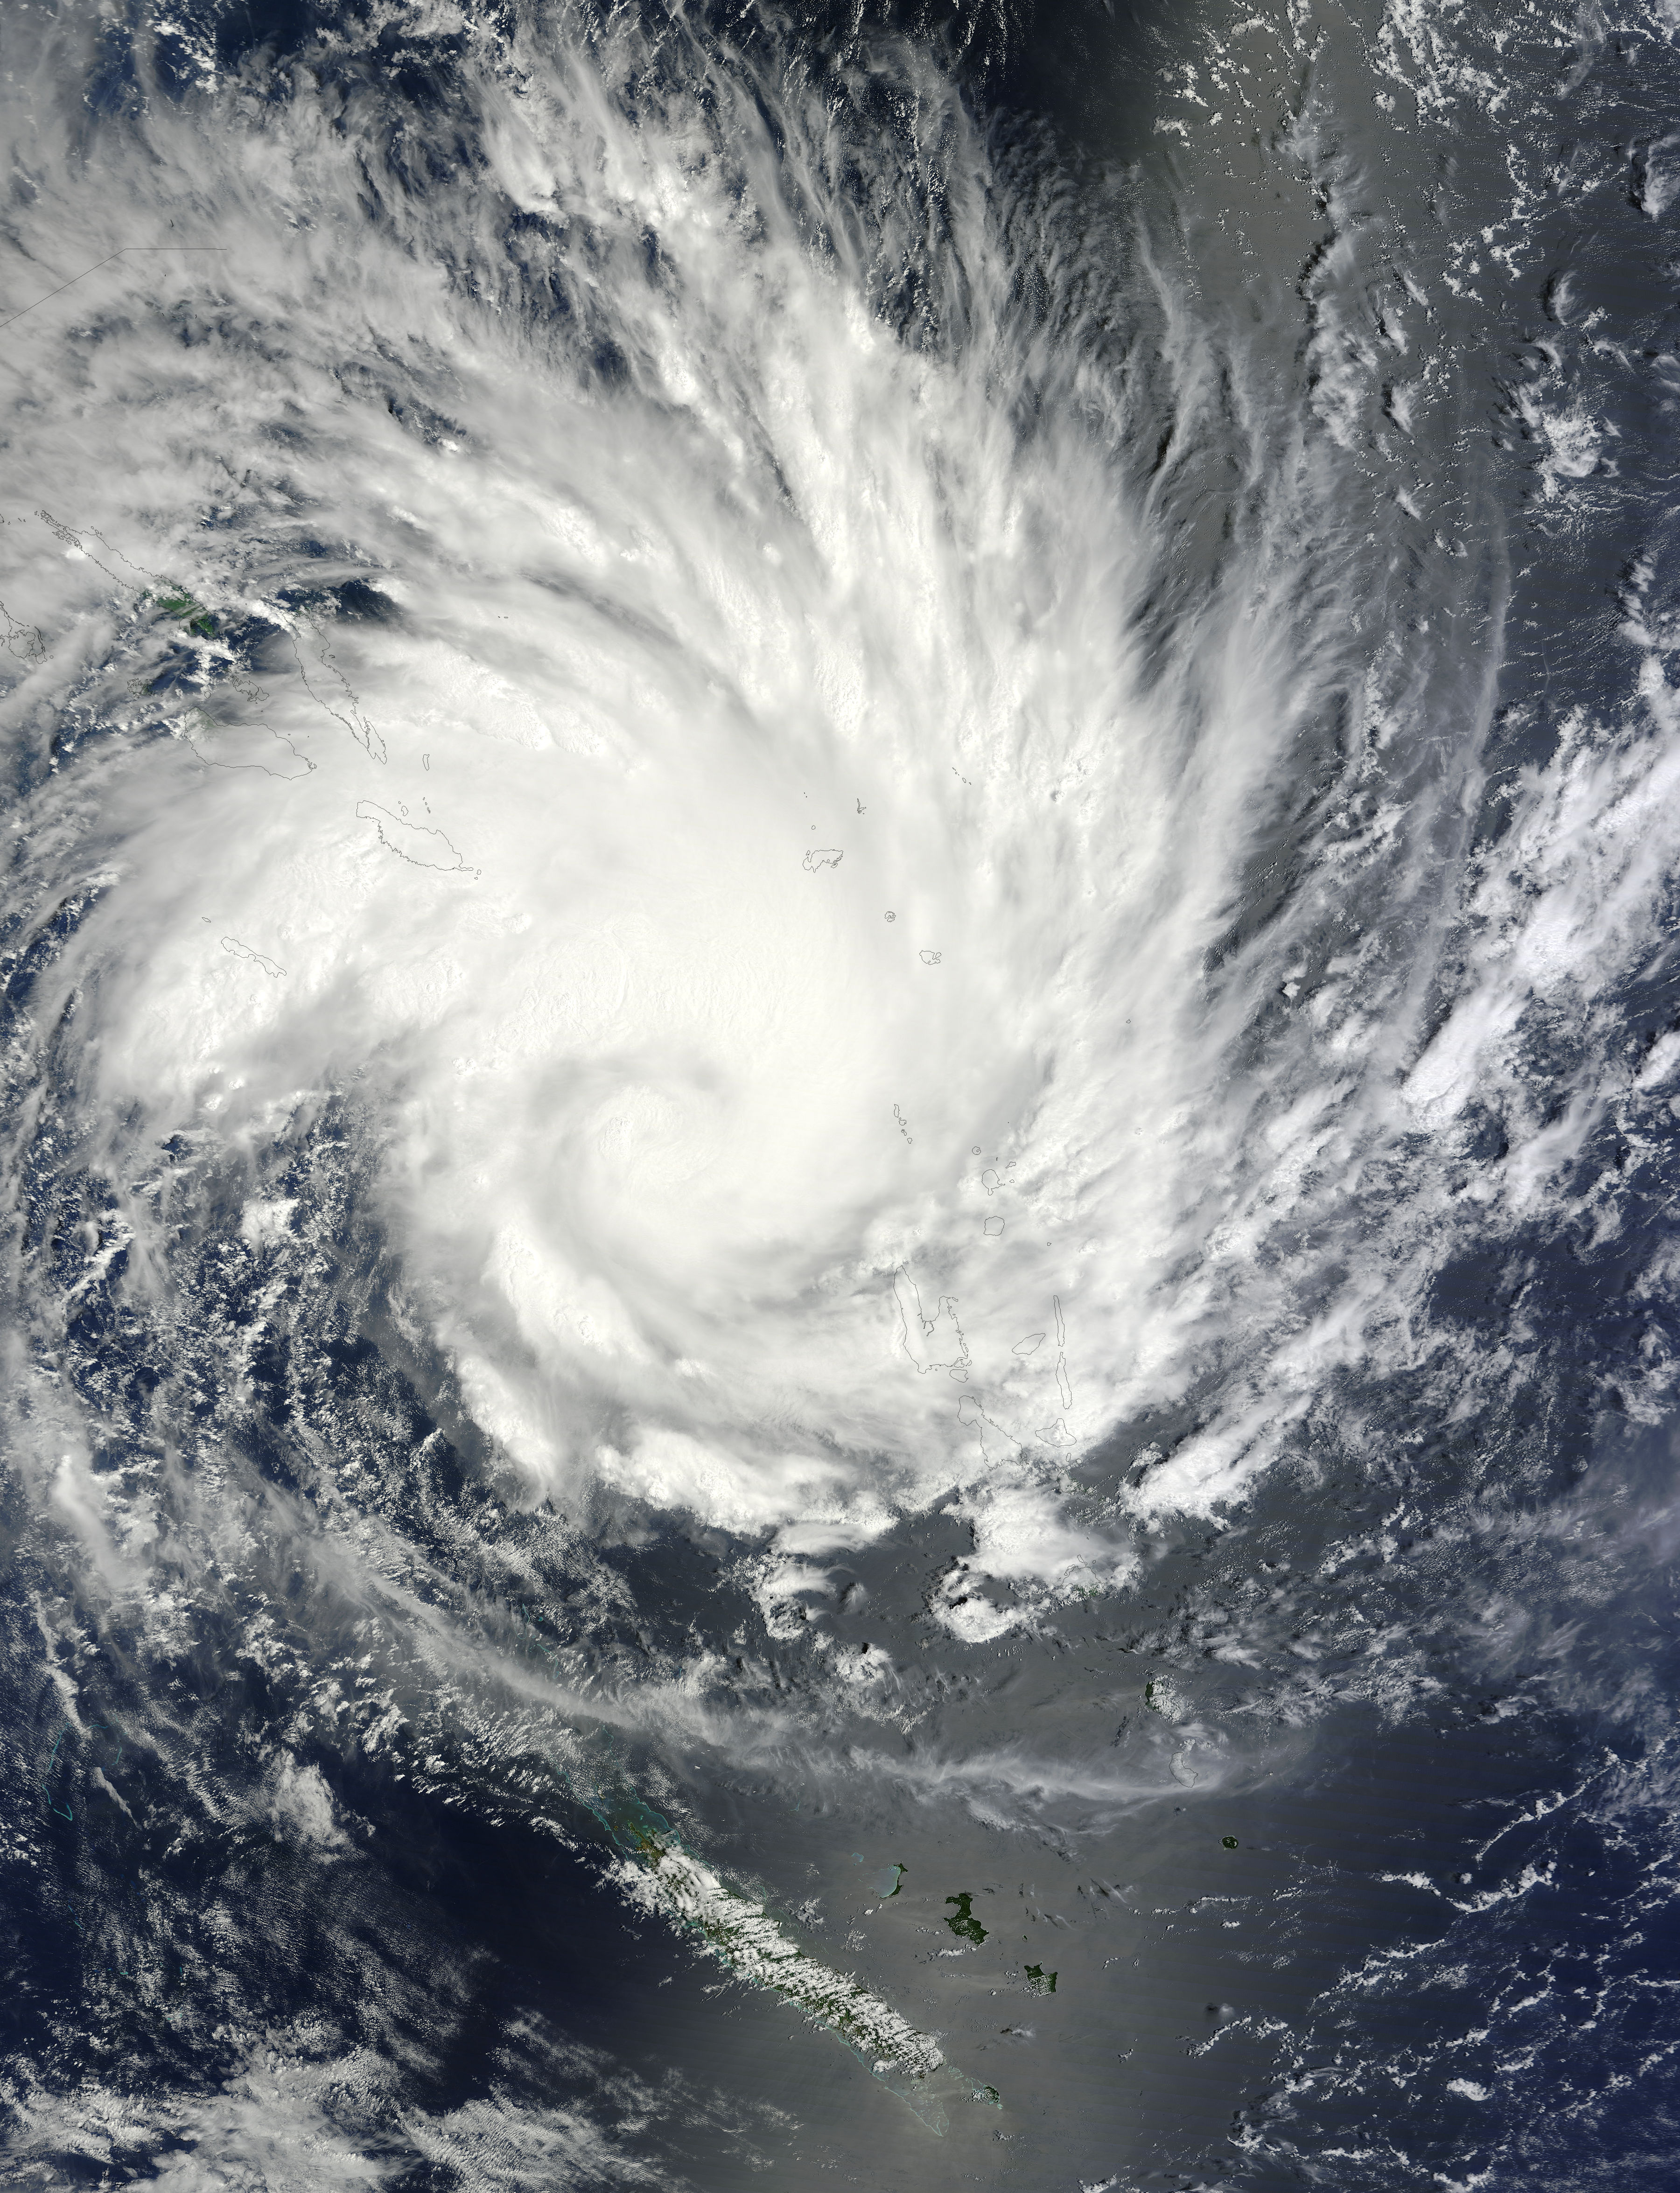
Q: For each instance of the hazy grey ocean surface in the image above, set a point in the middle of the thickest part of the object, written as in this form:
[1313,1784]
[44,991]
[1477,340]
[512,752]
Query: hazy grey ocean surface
[842,1143]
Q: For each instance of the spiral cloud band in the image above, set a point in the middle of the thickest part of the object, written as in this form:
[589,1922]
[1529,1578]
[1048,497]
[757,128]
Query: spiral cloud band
[842,1061]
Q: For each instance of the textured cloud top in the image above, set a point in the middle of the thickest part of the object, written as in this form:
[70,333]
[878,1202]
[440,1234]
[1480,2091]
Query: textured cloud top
[842,1046]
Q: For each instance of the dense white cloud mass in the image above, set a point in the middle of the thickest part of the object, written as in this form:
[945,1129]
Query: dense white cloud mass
[740,872]
[775,915]
[738,863]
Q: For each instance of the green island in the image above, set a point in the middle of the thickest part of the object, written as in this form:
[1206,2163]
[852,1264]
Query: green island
[965,1925]
[657,1874]
[193,613]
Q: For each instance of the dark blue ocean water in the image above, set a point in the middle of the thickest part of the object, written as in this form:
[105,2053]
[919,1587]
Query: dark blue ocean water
[554,1633]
